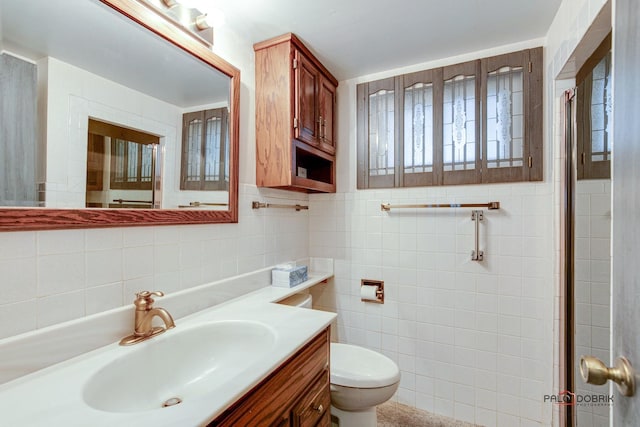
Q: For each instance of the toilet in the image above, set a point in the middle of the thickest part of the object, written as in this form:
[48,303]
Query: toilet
[361,379]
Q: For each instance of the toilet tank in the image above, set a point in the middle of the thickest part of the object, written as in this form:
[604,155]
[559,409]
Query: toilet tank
[298,300]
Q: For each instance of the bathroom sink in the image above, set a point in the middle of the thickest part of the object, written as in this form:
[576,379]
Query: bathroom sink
[178,365]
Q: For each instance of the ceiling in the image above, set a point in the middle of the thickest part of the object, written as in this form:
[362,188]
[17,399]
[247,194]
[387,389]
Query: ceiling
[92,36]
[351,37]
[358,37]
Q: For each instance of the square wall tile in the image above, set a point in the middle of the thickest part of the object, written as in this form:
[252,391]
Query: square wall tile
[60,241]
[19,280]
[102,298]
[138,262]
[61,273]
[104,266]
[17,245]
[17,318]
[60,308]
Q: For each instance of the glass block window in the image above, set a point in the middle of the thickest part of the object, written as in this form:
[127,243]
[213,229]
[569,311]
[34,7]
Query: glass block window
[119,150]
[381,133]
[132,161]
[205,148]
[194,142]
[475,122]
[594,114]
[418,128]
[212,147]
[601,111]
[132,164]
[127,156]
[459,112]
[505,117]
[146,165]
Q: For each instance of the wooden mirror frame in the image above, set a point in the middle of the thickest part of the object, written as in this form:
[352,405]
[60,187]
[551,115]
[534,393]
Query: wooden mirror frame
[21,219]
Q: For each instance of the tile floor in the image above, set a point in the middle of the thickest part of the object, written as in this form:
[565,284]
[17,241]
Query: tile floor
[393,414]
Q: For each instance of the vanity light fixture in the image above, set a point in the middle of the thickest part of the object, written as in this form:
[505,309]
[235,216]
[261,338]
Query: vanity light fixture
[212,18]
[203,22]
[189,15]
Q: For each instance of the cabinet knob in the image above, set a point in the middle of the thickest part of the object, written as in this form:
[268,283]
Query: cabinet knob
[320,408]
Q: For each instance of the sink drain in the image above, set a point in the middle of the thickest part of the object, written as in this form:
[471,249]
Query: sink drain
[171,402]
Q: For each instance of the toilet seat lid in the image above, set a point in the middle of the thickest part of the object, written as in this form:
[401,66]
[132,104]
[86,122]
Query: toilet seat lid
[353,366]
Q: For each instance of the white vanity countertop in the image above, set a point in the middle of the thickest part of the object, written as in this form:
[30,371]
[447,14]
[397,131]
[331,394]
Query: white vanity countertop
[54,396]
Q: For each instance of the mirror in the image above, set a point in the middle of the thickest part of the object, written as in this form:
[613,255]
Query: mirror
[591,218]
[123,64]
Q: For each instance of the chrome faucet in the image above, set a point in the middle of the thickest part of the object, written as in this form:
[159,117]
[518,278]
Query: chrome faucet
[145,312]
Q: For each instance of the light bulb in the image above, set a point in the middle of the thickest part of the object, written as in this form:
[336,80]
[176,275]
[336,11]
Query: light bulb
[204,21]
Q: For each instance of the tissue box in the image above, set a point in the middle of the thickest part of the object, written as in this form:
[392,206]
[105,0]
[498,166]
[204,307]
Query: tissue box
[289,276]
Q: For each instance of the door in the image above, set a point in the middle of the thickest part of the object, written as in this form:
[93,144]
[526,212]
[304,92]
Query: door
[626,201]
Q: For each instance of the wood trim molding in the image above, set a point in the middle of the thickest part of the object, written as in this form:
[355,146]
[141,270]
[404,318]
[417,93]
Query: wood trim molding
[31,219]
[21,219]
[290,37]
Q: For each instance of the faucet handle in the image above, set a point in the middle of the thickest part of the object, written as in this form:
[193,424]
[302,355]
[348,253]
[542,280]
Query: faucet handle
[147,294]
[144,299]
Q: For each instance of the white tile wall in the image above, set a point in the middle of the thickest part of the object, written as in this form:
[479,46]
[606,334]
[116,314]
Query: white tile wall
[473,340]
[593,287]
[54,276]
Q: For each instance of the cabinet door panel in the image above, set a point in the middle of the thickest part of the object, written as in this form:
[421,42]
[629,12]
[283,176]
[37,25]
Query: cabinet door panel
[327,116]
[505,133]
[313,407]
[270,403]
[306,99]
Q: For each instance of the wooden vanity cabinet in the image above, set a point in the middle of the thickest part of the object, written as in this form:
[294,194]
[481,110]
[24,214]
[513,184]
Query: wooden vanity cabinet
[295,117]
[296,394]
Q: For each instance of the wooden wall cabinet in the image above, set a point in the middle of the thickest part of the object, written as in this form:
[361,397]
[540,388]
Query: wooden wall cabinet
[296,394]
[295,117]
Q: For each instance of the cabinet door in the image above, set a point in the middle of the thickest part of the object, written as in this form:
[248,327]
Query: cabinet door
[326,117]
[272,402]
[508,136]
[95,162]
[314,405]
[305,121]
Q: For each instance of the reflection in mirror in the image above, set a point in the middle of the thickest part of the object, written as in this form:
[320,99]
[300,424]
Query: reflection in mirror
[121,165]
[17,123]
[205,150]
[594,114]
[72,60]
[591,239]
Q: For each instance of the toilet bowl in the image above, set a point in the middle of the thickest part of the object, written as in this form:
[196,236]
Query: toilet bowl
[361,379]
